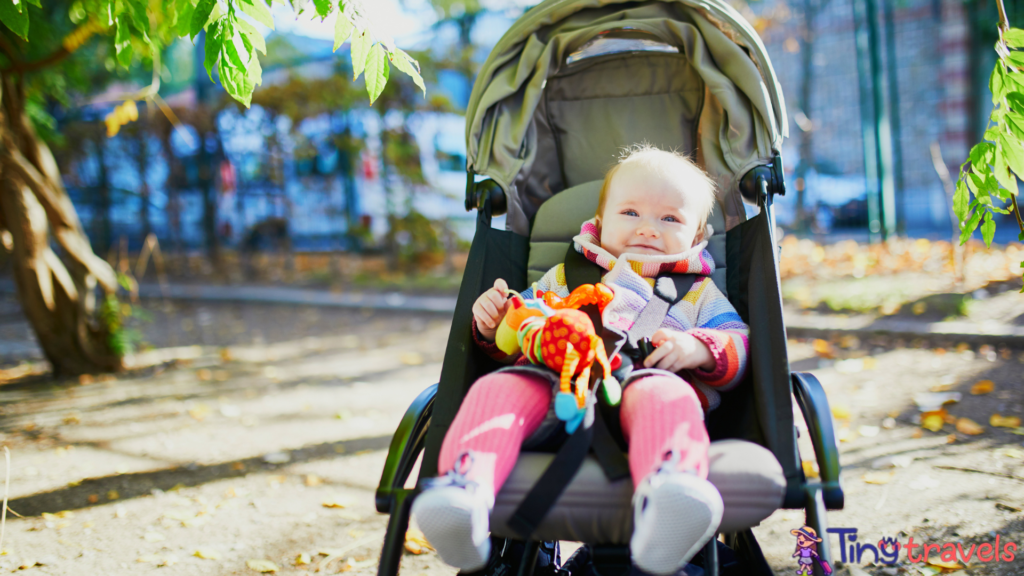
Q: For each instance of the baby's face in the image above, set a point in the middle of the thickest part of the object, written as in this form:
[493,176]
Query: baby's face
[645,213]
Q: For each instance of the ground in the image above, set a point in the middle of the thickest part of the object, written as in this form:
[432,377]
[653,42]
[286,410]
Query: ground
[264,441]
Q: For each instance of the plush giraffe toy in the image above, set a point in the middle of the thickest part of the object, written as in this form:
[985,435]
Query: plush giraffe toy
[552,331]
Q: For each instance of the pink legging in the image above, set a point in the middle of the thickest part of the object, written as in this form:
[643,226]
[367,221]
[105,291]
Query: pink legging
[658,414]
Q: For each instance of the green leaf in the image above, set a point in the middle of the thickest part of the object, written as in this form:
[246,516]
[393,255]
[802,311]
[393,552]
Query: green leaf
[14,17]
[1014,37]
[1016,101]
[982,154]
[123,41]
[1002,172]
[960,200]
[1015,122]
[988,229]
[1014,154]
[1014,81]
[139,18]
[360,49]
[214,42]
[35,3]
[252,35]
[323,8]
[377,71]
[258,11]
[234,47]
[968,228]
[997,82]
[185,12]
[406,64]
[255,71]
[1017,59]
[342,30]
[201,16]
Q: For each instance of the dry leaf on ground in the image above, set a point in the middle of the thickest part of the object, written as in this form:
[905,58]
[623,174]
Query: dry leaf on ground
[982,387]
[877,477]
[1004,421]
[416,542]
[302,559]
[335,502]
[207,554]
[968,426]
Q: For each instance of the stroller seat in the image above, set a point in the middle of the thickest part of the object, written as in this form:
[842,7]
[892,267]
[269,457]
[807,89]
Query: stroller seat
[597,511]
[593,509]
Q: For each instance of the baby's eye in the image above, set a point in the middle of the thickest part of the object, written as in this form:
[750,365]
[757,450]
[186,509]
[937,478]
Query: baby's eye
[670,219]
[630,212]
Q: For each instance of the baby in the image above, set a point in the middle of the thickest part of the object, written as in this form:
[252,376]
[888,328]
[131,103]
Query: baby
[651,219]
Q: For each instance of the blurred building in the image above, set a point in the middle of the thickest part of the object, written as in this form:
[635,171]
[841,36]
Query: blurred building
[943,56]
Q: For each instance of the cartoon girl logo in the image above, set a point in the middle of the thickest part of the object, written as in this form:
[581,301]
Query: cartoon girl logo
[807,551]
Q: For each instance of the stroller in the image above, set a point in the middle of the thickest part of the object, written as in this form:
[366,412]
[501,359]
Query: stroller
[569,85]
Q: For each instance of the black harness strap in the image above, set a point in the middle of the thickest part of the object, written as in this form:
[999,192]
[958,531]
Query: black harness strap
[597,436]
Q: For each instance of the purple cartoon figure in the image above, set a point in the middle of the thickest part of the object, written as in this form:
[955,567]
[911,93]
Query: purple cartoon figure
[807,551]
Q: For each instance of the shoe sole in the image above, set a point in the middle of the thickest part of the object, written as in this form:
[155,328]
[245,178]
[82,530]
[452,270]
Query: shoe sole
[664,544]
[445,516]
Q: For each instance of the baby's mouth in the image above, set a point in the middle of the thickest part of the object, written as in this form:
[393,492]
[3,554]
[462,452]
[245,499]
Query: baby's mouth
[645,247]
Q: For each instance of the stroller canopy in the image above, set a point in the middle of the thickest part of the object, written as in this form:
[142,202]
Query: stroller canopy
[546,115]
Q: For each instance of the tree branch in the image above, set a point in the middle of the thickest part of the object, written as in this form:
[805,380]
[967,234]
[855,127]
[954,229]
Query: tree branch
[23,67]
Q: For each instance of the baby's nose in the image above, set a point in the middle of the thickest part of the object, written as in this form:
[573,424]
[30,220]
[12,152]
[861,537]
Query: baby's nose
[647,231]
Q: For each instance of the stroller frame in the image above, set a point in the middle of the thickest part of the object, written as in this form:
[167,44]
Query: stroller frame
[814,497]
[763,415]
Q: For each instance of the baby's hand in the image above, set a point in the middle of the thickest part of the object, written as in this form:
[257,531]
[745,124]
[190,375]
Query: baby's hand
[489,309]
[678,351]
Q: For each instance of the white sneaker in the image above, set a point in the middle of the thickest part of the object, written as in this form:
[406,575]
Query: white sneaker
[674,515]
[454,515]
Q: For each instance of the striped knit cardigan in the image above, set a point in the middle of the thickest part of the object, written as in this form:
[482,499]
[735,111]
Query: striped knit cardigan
[704,312]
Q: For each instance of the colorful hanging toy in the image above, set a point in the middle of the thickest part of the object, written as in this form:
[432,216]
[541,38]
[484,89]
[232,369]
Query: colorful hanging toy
[553,332]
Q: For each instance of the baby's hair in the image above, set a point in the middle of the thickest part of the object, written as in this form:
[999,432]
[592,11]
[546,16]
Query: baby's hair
[669,163]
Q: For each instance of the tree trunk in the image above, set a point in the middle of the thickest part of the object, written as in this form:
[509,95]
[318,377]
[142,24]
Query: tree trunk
[59,300]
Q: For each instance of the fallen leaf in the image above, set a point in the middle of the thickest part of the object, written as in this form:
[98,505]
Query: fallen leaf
[876,477]
[944,565]
[302,559]
[335,502]
[203,374]
[932,401]
[169,560]
[1004,421]
[822,348]
[840,412]
[72,418]
[225,355]
[916,433]
[263,566]
[951,438]
[933,422]
[416,542]
[313,480]
[237,466]
[93,498]
[982,387]
[148,558]
[112,495]
[810,470]
[207,554]
[968,426]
